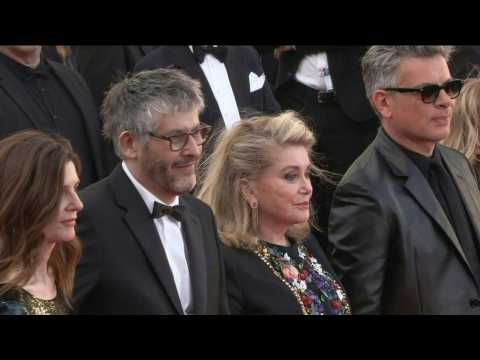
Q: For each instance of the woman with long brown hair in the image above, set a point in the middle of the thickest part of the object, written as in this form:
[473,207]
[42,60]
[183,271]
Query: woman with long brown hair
[39,249]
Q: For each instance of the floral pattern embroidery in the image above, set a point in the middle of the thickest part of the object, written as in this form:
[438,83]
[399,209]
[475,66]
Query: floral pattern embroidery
[318,292]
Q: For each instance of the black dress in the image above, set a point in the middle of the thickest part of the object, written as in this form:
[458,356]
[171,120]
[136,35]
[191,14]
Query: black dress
[296,279]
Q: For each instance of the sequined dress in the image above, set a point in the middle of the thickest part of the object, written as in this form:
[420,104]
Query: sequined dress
[20,302]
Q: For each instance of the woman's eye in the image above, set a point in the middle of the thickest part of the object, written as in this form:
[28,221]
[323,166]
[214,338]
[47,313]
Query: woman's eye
[290,176]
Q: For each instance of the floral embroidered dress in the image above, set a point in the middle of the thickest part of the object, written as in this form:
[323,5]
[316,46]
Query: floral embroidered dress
[315,289]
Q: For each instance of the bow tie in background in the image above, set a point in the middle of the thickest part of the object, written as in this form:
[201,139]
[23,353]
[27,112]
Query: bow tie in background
[175,212]
[199,52]
[40,72]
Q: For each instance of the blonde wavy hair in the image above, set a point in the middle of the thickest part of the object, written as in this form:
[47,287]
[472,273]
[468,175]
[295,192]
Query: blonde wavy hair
[243,152]
[464,131]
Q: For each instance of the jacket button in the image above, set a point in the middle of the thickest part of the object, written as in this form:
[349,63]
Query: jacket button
[474,303]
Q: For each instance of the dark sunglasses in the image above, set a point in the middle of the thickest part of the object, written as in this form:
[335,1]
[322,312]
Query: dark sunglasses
[430,92]
[178,141]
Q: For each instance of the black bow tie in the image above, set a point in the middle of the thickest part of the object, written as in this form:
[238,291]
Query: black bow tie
[175,212]
[199,52]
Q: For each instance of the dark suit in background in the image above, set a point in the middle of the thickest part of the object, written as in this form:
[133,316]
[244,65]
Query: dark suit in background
[395,250]
[102,65]
[465,62]
[343,127]
[239,63]
[19,110]
[269,63]
[124,268]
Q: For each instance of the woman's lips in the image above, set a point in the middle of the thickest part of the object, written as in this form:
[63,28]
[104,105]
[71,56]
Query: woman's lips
[70,222]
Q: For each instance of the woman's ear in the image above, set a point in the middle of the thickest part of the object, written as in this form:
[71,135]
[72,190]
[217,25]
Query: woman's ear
[247,190]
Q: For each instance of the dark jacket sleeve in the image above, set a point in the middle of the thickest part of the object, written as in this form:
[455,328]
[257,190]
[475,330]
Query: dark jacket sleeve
[100,66]
[235,297]
[359,234]
[224,309]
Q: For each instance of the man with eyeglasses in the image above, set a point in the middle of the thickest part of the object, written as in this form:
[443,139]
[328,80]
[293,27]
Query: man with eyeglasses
[149,247]
[404,227]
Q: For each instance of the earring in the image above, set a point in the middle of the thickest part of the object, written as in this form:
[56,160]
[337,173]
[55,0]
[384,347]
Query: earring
[254,204]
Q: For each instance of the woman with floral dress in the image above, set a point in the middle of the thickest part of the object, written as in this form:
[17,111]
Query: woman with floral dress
[258,185]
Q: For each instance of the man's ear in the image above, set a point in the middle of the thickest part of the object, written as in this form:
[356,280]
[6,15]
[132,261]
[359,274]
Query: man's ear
[383,103]
[128,145]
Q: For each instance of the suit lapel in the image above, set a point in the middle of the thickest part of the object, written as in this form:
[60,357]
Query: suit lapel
[239,80]
[92,128]
[19,95]
[212,115]
[419,189]
[143,229]
[194,239]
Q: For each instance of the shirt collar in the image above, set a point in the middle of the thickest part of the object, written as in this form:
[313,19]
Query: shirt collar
[23,72]
[422,162]
[146,195]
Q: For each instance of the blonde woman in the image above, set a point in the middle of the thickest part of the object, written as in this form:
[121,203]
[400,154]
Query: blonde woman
[258,185]
[464,131]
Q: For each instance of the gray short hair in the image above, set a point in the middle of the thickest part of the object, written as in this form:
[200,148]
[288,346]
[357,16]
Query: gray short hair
[128,104]
[380,64]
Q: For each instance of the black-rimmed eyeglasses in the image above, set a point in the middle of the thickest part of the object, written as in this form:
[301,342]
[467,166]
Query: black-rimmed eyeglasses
[178,141]
[430,92]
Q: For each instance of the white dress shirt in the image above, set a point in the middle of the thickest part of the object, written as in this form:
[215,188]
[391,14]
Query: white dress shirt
[313,72]
[217,78]
[170,233]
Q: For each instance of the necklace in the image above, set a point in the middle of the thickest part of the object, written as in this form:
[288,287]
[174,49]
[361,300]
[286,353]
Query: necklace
[265,256]
[298,274]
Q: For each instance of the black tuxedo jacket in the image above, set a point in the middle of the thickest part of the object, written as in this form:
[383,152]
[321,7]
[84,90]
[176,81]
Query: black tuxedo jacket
[394,248]
[124,268]
[18,111]
[345,69]
[240,62]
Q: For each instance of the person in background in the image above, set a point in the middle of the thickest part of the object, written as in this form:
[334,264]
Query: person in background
[232,78]
[464,132]
[104,65]
[324,84]
[38,93]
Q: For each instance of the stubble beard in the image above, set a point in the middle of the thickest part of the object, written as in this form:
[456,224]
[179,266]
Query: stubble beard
[161,175]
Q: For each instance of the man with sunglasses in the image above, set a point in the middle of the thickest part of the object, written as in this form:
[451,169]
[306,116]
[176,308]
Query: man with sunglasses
[405,219]
[149,247]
